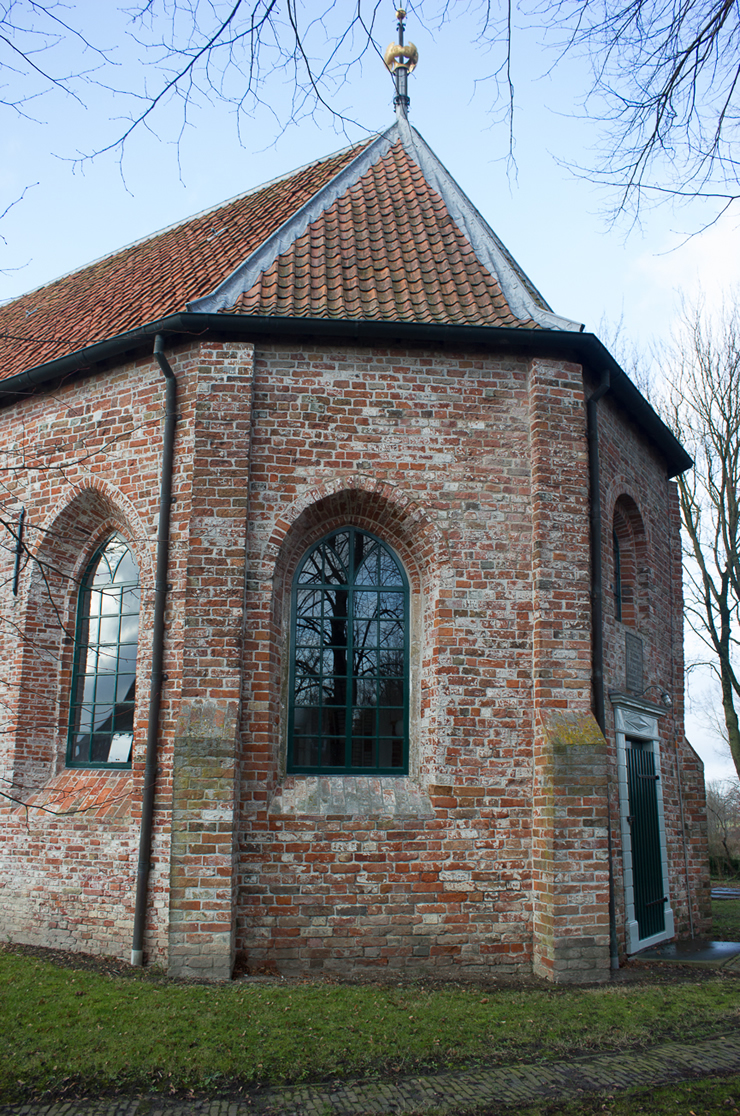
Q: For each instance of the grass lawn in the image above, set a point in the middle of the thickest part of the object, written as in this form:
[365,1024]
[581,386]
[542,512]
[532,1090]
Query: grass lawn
[70,1031]
[726,920]
[726,912]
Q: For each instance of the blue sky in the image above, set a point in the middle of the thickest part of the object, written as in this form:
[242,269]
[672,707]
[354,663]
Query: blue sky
[551,219]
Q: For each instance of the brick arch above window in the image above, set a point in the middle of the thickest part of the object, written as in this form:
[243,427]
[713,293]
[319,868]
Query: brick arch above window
[386,513]
[62,543]
[70,533]
[381,508]
[629,563]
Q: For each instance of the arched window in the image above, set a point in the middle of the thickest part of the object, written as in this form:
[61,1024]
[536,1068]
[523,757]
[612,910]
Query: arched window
[617,576]
[629,563]
[349,660]
[101,716]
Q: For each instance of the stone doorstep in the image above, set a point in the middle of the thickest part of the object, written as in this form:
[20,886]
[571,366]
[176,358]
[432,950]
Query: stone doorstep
[693,951]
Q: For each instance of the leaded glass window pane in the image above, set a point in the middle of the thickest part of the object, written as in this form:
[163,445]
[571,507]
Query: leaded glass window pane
[349,670]
[101,720]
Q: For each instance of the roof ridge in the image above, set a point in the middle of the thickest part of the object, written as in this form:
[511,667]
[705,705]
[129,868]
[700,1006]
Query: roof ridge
[523,298]
[186,220]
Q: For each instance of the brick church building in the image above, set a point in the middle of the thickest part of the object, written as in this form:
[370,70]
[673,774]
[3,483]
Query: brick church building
[341,599]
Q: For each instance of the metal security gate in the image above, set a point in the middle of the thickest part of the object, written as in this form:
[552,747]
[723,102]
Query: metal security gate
[647,868]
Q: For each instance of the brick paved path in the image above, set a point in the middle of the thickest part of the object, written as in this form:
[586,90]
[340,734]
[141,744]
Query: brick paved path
[442,1093]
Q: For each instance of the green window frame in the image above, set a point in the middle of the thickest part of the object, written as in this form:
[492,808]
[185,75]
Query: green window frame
[101,713]
[349,671]
[617,577]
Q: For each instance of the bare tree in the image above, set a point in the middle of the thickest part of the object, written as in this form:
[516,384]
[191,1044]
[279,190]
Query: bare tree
[43,51]
[723,815]
[666,89]
[704,409]
[186,52]
[665,86]
[637,360]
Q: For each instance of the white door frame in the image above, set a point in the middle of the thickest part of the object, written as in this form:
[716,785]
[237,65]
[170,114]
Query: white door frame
[638,719]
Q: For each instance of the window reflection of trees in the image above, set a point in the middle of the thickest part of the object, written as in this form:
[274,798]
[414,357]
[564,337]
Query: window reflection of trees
[104,686]
[350,661]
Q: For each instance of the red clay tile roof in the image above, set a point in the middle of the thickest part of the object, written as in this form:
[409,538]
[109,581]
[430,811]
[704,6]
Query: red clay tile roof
[154,277]
[369,239]
[386,250]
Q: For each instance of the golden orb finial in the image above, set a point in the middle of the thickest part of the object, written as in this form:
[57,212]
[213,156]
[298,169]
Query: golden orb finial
[397,56]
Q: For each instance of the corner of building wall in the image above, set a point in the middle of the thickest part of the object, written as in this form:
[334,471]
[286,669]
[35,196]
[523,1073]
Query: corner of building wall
[205,763]
[202,900]
[570,851]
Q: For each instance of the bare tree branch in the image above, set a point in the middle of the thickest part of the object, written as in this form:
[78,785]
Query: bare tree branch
[665,86]
[703,408]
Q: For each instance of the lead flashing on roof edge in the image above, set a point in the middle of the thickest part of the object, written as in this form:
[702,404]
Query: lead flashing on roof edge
[522,301]
[246,274]
[522,296]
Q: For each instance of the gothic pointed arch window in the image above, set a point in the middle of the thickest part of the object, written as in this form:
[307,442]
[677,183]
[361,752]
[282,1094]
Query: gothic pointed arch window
[629,563]
[101,716]
[349,659]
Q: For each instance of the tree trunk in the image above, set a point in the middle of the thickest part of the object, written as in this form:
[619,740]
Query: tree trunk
[731,719]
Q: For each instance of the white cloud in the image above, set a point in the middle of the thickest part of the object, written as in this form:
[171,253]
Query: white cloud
[707,264]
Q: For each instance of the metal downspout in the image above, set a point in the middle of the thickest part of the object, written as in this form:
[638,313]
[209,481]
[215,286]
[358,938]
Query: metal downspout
[597,619]
[157,677]
[597,591]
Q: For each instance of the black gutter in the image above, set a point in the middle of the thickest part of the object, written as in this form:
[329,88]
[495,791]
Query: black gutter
[157,677]
[580,348]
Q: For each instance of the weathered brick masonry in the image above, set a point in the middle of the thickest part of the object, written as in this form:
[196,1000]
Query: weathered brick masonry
[493,851]
[433,401]
[635,487]
[428,450]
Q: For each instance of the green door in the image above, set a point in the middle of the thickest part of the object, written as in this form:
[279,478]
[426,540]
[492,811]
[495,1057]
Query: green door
[647,866]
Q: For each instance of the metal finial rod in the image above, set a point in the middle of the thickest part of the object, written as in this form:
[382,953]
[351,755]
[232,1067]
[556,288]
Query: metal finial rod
[401,60]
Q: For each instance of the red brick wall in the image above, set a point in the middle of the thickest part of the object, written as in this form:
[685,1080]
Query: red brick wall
[569,866]
[89,463]
[430,453]
[473,468]
[85,463]
[218,416]
[634,478]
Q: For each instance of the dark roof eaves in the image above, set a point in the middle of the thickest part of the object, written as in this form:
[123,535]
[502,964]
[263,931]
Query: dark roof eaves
[597,358]
[582,348]
[82,360]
